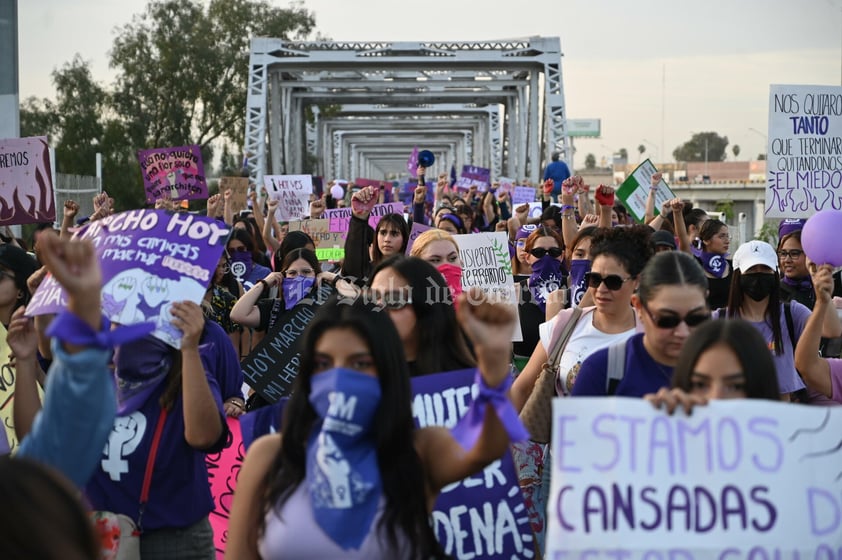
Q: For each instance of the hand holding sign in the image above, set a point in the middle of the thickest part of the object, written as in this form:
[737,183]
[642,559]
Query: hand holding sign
[74,265]
[189,319]
[672,399]
[363,201]
[605,195]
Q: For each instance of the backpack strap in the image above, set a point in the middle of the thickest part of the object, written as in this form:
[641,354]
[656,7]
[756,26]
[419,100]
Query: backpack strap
[616,367]
[790,325]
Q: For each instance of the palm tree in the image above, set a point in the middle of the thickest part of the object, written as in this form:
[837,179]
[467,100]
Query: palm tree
[640,150]
[736,150]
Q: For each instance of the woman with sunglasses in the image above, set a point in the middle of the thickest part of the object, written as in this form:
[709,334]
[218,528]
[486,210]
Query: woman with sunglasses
[721,360]
[669,303]
[756,297]
[420,305]
[544,255]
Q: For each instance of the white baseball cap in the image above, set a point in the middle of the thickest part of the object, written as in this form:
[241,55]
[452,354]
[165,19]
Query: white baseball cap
[753,253]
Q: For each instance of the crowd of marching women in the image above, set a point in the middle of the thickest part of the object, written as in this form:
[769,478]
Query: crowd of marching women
[667,311]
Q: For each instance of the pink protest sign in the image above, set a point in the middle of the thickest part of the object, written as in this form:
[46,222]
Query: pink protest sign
[341,217]
[175,173]
[223,470]
[26,183]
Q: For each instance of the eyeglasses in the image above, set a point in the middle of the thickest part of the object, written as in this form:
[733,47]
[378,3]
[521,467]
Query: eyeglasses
[391,300]
[296,273]
[613,281]
[538,252]
[672,321]
[791,254]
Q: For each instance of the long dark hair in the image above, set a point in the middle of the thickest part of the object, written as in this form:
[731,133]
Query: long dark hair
[401,471]
[441,343]
[773,307]
[709,229]
[292,240]
[670,268]
[246,239]
[254,232]
[746,342]
[302,253]
[389,220]
[42,498]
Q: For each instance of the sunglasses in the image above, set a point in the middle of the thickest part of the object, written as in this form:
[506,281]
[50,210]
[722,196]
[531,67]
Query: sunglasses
[672,321]
[613,281]
[538,252]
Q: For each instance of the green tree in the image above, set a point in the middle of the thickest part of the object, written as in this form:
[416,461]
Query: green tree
[736,150]
[590,161]
[703,146]
[726,207]
[182,69]
[38,117]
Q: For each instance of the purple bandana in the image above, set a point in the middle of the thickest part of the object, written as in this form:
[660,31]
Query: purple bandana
[713,263]
[804,284]
[241,265]
[469,427]
[140,367]
[296,289]
[546,278]
[578,269]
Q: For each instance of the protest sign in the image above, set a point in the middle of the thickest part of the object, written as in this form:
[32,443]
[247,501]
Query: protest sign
[175,173]
[536,208]
[486,264]
[341,217]
[26,181]
[416,230]
[804,155]
[319,230]
[239,187]
[293,192]
[482,516]
[472,175]
[635,190]
[736,480]
[360,182]
[507,185]
[523,195]
[272,365]
[149,259]
[223,470]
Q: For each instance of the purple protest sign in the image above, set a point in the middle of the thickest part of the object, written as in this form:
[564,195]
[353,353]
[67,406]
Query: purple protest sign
[149,259]
[340,218]
[523,195]
[26,183]
[482,516]
[175,173]
[416,230]
[472,175]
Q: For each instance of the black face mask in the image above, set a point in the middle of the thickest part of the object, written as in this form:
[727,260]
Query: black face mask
[757,286]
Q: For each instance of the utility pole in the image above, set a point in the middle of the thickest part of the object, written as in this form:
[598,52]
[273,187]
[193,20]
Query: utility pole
[9,96]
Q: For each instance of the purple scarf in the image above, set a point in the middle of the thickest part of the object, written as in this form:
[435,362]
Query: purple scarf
[578,269]
[296,289]
[140,367]
[803,284]
[713,263]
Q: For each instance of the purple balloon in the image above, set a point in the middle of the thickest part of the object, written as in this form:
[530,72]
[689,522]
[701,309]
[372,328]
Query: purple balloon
[819,238]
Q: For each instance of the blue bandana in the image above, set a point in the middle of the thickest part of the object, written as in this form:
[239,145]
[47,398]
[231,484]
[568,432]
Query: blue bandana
[343,477]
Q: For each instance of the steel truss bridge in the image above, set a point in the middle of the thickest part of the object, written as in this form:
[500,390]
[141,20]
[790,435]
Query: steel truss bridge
[359,108]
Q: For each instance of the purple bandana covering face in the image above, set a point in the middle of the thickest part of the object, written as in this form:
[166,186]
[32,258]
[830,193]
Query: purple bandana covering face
[241,265]
[140,366]
[578,269]
[296,289]
[713,263]
[343,476]
[546,278]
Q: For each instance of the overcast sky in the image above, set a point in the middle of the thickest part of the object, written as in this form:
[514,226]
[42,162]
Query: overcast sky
[703,66]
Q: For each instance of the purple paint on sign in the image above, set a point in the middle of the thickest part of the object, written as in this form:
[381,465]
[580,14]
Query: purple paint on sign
[175,173]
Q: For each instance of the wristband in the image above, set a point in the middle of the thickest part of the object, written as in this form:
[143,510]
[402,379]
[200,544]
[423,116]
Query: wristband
[567,207]
[70,329]
[265,285]
[469,428]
